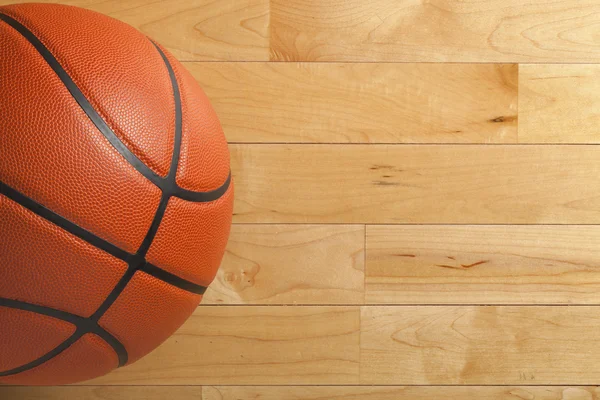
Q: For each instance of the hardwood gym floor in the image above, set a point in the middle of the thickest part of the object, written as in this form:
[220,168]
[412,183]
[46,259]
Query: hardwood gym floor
[417,202]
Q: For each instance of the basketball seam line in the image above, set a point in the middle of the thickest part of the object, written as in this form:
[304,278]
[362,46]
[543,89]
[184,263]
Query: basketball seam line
[102,126]
[168,186]
[94,240]
[139,258]
[145,267]
[62,222]
[48,356]
[74,319]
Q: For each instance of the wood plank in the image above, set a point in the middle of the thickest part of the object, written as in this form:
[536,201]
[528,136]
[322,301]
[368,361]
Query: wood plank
[101,393]
[478,184]
[537,345]
[559,103]
[261,345]
[483,264]
[300,392]
[193,30]
[435,31]
[291,264]
[400,392]
[363,103]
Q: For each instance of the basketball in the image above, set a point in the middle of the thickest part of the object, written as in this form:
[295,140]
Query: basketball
[116,194]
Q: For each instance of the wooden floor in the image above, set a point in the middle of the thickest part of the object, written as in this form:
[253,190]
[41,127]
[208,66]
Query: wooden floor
[417,202]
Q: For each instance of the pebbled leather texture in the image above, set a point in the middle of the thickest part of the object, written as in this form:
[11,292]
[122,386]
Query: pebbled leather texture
[20,328]
[137,318]
[195,256]
[50,268]
[52,153]
[135,99]
[204,163]
[87,358]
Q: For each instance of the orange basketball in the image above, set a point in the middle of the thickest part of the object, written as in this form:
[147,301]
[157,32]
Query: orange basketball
[115,194]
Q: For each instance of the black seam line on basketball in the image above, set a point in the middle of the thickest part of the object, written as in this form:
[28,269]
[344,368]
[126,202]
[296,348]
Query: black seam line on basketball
[83,101]
[178,116]
[117,290]
[151,234]
[167,187]
[83,234]
[83,325]
[115,344]
[70,227]
[51,312]
[46,357]
[99,122]
[171,176]
[171,188]
[173,280]
[203,197]
[170,185]
[62,222]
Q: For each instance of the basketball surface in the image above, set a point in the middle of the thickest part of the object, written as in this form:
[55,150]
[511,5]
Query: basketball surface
[115,194]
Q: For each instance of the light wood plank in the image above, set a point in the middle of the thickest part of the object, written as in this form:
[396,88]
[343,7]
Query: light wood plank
[480,345]
[253,345]
[435,31]
[363,103]
[400,392]
[199,30]
[300,393]
[559,103]
[416,184]
[102,393]
[291,264]
[483,264]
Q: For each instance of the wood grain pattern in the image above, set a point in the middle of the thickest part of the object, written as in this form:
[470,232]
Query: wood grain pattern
[401,345]
[400,392]
[253,345]
[363,103]
[284,264]
[416,184]
[435,31]
[301,393]
[479,172]
[480,345]
[559,103]
[102,393]
[193,30]
[483,264]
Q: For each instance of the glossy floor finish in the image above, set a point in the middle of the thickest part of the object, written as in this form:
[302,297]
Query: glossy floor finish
[417,202]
